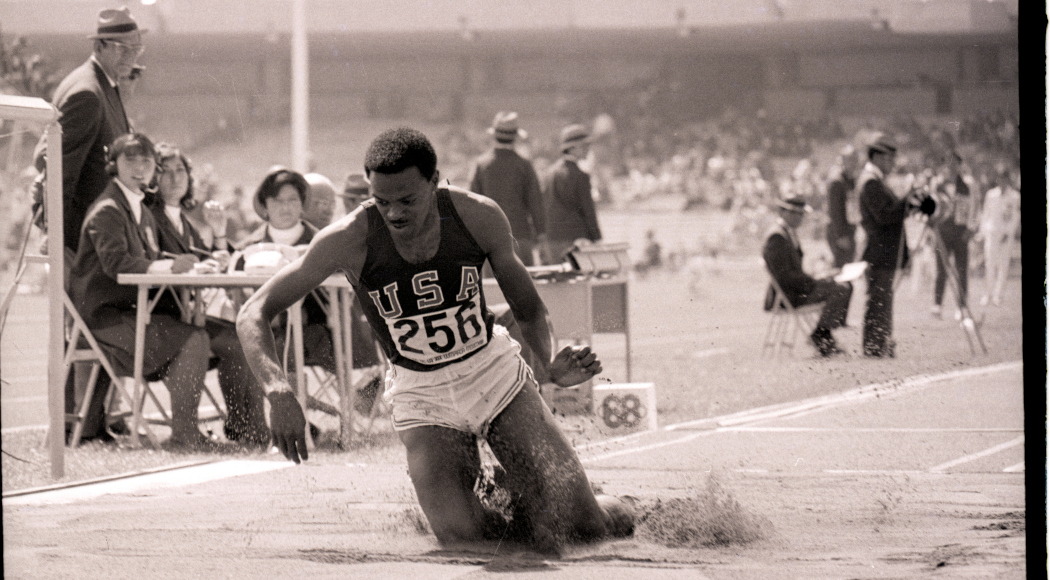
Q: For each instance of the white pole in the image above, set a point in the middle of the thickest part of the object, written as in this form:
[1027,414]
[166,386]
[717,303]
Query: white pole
[300,89]
[56,280]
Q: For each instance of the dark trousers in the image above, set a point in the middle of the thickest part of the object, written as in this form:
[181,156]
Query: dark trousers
[878,314]
[836,299]
[843,255]
[956,241]
[94,422]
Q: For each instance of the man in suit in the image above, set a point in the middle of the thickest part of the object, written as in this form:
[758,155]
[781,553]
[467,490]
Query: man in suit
[567,190]
[783,255]
[510,180]
[840,232]
[92,115]
[882,217]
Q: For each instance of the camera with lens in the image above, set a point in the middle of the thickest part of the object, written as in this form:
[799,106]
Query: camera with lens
[923,200]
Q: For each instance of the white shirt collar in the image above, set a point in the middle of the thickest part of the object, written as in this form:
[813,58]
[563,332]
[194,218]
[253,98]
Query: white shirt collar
[134,200]
[112,83]
[874,169]
[289,236]
[174,214]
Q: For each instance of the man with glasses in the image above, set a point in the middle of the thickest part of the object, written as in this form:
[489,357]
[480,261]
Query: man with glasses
[91,114]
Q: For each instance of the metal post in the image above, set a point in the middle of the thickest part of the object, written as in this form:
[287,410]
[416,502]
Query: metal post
[300,89]
[56,288]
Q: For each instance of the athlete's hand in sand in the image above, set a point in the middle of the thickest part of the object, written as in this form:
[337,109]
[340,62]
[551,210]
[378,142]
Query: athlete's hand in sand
[574,365]
[288,425]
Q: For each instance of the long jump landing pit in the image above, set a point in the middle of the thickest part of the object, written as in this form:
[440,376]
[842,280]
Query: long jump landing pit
[871,488]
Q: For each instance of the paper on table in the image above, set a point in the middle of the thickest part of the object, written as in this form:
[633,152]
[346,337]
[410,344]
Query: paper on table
[851,271]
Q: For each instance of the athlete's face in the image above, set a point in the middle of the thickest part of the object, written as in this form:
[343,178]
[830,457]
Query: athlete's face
[404,199]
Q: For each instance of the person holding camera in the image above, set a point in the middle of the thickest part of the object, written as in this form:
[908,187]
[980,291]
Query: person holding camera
[882,217]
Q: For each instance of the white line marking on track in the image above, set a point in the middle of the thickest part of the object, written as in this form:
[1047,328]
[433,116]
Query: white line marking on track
[1019,468]
[882,390]
[169,478]
[868,430]
[978,455]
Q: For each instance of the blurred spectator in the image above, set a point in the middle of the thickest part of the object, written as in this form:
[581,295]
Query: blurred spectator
[570,208]
[355,191]
[1000,229]
[510,180]
[960,218]
[782,253]
[841,234]
[320,200]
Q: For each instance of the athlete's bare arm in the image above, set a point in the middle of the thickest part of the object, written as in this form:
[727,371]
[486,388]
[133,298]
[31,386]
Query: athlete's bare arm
[335,249]
[490,228]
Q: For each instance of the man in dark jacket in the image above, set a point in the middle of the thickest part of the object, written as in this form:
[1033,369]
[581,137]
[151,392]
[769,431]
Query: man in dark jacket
[510,180]
[783,255]
[882,217]
[92,115]
[567,190]
[841,233]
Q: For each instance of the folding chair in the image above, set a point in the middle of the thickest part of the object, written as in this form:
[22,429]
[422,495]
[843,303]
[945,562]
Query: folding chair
[82,347]
[787,321]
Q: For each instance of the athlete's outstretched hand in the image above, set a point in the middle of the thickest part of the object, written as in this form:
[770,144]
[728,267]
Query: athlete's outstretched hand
[288,425]
[574,365]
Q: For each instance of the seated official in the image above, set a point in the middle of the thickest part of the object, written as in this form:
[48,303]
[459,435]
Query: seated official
[246,417]
[119,236]
[279,200]
[783,255]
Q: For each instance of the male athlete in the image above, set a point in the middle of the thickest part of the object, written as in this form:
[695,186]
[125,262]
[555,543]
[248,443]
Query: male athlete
[414,254]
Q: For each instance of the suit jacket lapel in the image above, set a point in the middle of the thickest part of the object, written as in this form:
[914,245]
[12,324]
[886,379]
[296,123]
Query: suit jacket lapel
[113,100]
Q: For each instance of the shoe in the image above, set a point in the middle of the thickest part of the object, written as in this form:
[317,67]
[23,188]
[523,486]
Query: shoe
[825,342]
[935,311]
[200,444]
[259,437]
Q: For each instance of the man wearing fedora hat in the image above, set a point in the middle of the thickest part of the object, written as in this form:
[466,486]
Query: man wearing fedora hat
[882,217]
[91,114]
[510,180]
[783,255]
[567,189]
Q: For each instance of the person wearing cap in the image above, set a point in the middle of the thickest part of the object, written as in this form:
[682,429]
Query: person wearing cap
[510,180]
[882,217]
[782,253]
[91,114]
[567,189]
[956,228]
[841,234]
[320,200]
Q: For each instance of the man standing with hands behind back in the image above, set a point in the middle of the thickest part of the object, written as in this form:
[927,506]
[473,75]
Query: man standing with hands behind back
[91,114]
[510,180]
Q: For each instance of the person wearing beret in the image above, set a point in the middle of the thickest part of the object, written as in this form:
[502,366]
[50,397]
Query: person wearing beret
[782,253]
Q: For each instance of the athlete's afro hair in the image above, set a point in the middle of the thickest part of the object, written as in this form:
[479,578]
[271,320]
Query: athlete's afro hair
[395,150]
